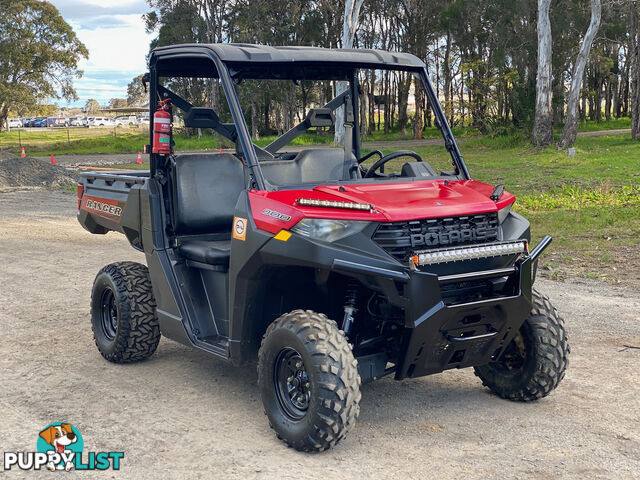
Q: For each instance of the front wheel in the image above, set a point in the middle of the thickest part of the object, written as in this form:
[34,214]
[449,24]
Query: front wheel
[533,364]
[123,313]
[308,381]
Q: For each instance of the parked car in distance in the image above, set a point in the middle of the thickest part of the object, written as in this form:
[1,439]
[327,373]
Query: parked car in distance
[142,120]
[77,121]
[28,121]
[39,122]
[101,122]
[14,123]
[57,122]
[126,120]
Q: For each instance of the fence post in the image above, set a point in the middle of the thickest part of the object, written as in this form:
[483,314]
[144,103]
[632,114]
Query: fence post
[68,140]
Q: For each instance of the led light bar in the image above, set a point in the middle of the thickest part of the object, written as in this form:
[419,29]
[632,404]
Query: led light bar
[472,252]
[310,202]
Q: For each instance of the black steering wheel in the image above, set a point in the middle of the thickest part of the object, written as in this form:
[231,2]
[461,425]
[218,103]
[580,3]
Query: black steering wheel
[401,153]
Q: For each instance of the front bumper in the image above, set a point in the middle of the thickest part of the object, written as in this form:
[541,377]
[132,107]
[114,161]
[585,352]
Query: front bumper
[440,335]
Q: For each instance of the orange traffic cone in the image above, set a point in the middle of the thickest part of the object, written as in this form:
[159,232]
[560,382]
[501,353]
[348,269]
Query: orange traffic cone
[53,160]
[139,158]
[23,154]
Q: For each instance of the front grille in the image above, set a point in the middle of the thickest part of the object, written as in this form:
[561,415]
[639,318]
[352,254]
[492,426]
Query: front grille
[401,239]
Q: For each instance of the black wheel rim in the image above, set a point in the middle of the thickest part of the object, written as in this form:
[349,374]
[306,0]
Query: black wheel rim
[108,314]
[514,356]
[291,384]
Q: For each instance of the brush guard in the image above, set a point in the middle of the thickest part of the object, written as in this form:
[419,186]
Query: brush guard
[441,335]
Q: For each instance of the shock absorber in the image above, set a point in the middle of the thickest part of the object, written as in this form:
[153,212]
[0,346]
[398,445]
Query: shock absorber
[350,303]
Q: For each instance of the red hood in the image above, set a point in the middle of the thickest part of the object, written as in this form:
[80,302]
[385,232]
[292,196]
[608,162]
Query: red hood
[391,202]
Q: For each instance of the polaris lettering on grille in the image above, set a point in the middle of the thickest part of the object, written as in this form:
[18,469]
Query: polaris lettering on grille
[114,210]
[401,239]
[452,237]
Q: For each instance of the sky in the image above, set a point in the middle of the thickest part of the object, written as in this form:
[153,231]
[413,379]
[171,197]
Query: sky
[113,32]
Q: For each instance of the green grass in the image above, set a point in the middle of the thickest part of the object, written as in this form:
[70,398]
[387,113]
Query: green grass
[589,203]
[80,140]
[304,139]
[614,159]
[613,124]
[130,140]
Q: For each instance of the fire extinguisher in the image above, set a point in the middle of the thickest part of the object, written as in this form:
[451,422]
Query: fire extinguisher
[162,128]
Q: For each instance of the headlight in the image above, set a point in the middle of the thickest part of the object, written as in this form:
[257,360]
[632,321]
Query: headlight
[503,213]
[327,230]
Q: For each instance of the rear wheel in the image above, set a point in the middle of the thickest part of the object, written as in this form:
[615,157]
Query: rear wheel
[308,381]
[534,363]
[123,313]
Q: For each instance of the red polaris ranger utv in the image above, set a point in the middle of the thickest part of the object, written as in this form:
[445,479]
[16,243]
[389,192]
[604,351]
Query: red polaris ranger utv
[325,267]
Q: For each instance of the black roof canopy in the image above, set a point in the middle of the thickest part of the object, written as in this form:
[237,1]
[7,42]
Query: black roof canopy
[263,61]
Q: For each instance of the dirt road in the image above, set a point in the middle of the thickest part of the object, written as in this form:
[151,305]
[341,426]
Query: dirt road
[183,414]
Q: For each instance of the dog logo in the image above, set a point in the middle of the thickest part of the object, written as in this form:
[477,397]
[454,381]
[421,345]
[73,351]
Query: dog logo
[64,440]
[61,447]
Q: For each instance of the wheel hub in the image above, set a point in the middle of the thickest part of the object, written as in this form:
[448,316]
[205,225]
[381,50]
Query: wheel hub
[292,385]
[108,314]
[515,354]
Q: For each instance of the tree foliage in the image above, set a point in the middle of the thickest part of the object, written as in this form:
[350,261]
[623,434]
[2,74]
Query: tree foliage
[92,106]
[39,55]
[136,93]
[481,55]
[118,103]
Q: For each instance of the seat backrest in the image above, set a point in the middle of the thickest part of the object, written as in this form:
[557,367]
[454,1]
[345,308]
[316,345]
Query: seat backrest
[206,190]
[309,166]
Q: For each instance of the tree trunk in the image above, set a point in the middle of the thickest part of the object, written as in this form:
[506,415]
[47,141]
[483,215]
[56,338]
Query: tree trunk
[461,97]
[4,114]
[364,108]
[372,102]
[349,27]
[583,110]
[607,99]
[267,126]
[404,85]
[446,73]
[386,102]
[598,99]
[417,117]
[570,130]
[254,119]
[543,122]
[634,54]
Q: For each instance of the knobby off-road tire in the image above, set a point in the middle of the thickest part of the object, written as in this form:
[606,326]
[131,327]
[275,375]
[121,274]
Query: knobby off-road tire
[306,348]
[123,313]
[535,361]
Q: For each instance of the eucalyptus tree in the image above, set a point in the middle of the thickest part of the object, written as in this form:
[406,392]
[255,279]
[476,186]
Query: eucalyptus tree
[570,130]
[543,123]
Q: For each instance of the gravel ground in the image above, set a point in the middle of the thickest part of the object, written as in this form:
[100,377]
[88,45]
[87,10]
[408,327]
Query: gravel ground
[33,172]
[184,414]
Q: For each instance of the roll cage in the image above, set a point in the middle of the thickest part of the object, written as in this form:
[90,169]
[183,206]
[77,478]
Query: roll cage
[236,62]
